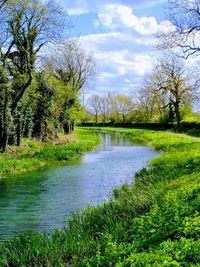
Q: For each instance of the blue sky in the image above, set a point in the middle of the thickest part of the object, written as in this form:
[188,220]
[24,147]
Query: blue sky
[120,34]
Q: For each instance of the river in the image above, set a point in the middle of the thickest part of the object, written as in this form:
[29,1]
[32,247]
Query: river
[42,200]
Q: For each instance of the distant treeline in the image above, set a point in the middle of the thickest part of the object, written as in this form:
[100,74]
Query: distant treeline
[184,126]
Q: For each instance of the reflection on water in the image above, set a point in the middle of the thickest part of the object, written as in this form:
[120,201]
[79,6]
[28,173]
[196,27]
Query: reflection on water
[41,200]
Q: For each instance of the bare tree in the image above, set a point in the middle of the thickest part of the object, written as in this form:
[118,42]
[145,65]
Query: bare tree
[74,68]
[74,65]
[145,98]
[2,3]
[185,16]
[174,84]
[167,89]
[105,107]
[95,104]
[150,100]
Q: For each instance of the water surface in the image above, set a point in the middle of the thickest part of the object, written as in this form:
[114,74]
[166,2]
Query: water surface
[42,200]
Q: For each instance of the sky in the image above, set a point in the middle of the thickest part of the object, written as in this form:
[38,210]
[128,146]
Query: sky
[120,34]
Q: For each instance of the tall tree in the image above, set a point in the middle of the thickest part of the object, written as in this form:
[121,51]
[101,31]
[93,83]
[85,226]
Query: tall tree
[105,107]
[42,113]
[5,107]
[26,26]
[122,106]
[174,83]
[95,104]
[145,98]
[30,26]
[167,90]
[72,67]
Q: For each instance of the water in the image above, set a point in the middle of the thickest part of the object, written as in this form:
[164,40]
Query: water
[42,200]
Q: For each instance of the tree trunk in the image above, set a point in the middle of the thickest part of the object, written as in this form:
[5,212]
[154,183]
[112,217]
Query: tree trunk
[11,140]
[1,134]
[66,127]
[104,119]
[4,132]
[171,113]
[21,92]
[96,118]
[72,125]
[18,133]
[4,126]
[123,118]
[177,113]
[5,138]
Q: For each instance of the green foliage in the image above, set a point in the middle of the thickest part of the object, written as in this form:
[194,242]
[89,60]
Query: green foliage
[77,112]
[42,110]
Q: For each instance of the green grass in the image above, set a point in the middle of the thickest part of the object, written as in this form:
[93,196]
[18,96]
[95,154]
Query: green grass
[156,222]
[33,154]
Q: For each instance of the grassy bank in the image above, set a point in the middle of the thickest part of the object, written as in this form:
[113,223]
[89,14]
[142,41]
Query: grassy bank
[156,222]
[32,154]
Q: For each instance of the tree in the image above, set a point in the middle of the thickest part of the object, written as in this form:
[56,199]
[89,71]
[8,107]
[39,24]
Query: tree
[122,106]
[5,110]
[95,104]
[42,112]
[73,68]
[30,26]
[146,99]
[174,84]
[167,90]
[151,101]
[2,3]
[105,107]
[26,26]
[184,15]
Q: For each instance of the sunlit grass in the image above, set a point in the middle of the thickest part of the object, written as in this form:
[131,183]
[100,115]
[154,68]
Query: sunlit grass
[32,154]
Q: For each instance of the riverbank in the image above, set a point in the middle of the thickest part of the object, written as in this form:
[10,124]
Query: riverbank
[156,222]
[32,154]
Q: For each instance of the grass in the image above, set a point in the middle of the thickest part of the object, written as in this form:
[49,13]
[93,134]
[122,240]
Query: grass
[156,222]
[33,154]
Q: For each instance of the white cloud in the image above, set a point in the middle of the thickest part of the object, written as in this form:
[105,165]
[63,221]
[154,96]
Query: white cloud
[104,76]
[114,39]
[124,52]
[116,16]
[124,62]
[122,59]
[127,80]
[77,11]
[193,62]
[94,5]
[113,15]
